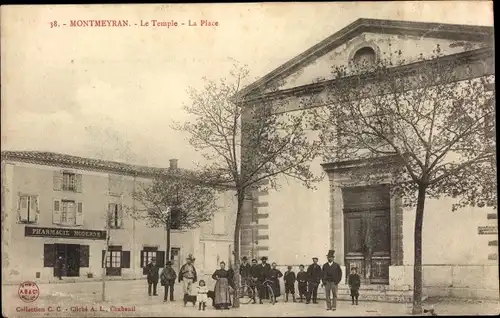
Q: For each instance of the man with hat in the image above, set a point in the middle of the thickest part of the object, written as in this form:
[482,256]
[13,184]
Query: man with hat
[332,275]
[245,272]
[167,279]
[263,271]
[254,277]
[187,274]
[152,272]
[314,276]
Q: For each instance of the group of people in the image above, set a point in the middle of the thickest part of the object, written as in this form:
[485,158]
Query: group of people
[257,277]
[224,285]
[329,275]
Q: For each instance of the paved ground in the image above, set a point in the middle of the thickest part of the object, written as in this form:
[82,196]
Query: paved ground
[73,298]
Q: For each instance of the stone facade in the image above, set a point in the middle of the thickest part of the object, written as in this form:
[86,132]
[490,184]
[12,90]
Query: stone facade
[32,173]
[302,223]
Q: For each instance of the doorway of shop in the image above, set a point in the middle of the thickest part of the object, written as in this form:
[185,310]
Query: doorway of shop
[70,257]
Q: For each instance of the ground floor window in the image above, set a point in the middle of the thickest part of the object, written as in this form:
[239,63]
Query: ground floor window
[115,259]
[147,255]
[66,259]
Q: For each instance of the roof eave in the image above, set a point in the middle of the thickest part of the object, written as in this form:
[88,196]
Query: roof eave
[439,30]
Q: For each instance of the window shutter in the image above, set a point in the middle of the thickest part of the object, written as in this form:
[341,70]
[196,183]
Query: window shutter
[119,185]
[79,213]
[125,259]
[142,259]
[160,258]
[23,208]
[110,215]
[33,210]
[120,216]
[49,255]
[219,226]
[103,258]
[56,214]
[57,180]
[78,183]
[114,185]
[84,255]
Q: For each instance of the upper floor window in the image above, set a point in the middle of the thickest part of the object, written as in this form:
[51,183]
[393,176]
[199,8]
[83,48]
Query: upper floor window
[365,57]
[115,215]
[67,212]
[219,223]
[67,181]
[175,219]
[28,209]
[115,185]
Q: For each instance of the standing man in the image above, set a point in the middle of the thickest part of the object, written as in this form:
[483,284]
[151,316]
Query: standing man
[254,276]
[59,267]
[153,274]
[245,271]
[187,275]
[168,276]
[332,275]
[314,276]
[263,271]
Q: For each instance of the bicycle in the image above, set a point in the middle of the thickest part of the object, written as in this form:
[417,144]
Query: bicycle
[247,292]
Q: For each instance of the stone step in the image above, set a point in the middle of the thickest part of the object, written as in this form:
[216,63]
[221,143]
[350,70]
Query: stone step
[371,293]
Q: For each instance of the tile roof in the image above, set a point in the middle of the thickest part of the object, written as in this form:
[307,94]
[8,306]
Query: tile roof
[64,160]
[107,166]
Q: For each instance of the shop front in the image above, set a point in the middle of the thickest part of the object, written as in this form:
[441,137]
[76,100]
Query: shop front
[66,248]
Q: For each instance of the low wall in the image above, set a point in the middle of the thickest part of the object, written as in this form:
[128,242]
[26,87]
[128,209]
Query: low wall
[460,281]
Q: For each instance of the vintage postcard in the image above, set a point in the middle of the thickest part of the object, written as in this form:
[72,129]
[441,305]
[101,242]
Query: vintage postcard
[249,159]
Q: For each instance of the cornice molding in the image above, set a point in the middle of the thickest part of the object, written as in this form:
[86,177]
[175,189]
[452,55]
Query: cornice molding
[463,58]
[458,32]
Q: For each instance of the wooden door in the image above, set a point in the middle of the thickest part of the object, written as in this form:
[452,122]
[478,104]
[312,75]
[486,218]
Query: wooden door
[367,244]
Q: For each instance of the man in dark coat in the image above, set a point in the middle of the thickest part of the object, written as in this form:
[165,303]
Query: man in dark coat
[245,271]
[168,276]
[314,276]
[332,275]
[59,267]
[152,272]
[302,282]
[254,276]
[263,271]
[289,279]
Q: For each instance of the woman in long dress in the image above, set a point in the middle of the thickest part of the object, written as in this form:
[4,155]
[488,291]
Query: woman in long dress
[274,276]
[222,295]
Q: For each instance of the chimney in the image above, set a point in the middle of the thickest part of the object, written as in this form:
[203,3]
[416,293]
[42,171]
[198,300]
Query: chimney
[173,163]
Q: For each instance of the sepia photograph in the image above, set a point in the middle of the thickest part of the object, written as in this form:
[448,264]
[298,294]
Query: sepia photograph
[266,159]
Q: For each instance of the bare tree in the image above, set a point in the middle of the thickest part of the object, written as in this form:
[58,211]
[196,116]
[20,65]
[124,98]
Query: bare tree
[175,200]
[434,118]
[246,145]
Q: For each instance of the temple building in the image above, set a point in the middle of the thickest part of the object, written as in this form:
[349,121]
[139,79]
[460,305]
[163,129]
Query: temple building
[57,205]
[294,224]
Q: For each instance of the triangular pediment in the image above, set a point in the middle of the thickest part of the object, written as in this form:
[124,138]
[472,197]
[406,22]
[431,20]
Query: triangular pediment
[413,39]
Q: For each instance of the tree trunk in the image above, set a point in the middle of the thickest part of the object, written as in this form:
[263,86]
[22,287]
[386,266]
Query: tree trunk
[167,252]
[103,277]
[417,267]
[237,231]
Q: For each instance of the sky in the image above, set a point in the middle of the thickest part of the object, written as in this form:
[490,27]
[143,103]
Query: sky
[113,93]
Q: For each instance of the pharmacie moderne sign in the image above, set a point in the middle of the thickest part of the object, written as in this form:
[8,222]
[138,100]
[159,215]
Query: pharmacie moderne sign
[64,233]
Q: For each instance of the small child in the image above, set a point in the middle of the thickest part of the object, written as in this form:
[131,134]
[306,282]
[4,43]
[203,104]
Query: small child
[289,279]
[302,280]
[202,297]
[354,284]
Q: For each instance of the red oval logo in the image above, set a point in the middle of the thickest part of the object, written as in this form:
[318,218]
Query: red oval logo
[28,291]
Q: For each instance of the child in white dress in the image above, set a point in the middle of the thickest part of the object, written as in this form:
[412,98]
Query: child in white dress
[202,296]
